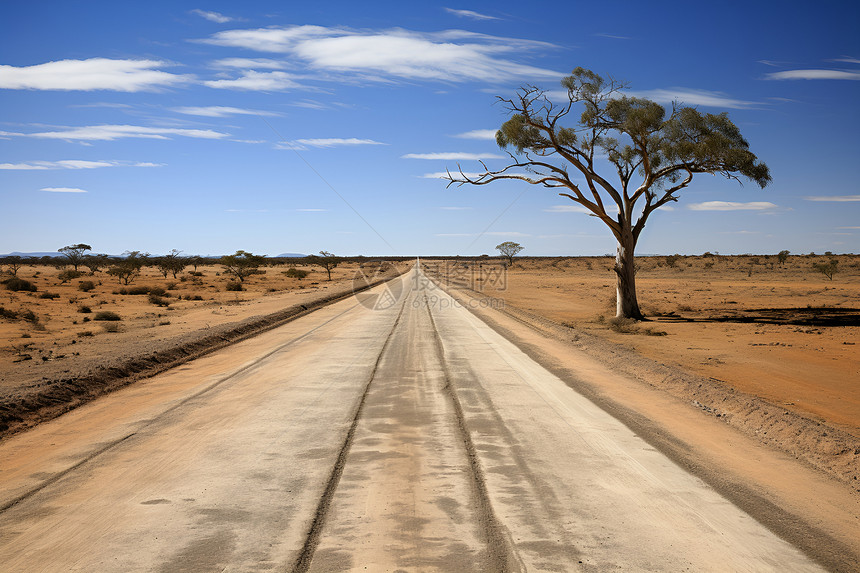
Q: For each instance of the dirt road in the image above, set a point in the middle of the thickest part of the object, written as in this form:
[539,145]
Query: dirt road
[405,437]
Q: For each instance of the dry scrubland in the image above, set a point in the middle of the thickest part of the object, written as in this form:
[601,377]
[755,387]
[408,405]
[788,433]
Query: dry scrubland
[57,329]
[785,333]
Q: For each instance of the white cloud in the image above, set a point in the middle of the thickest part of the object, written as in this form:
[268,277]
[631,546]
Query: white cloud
[453,156]
[456,174]
[72,164]
[112,132]
[814,75]
[611,36]
[731,206]
[488,134]
[848,60]
[249,63]
[221,111]
[567,209]
[213,16]
[326,142]
[694,97]
[63,190]
[88,75]
[257,81]
[469,14]
[835,198]
[453,55]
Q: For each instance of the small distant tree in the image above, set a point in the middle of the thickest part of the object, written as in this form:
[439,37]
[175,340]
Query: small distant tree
[13,264]
[75,253]
[96,262]
[509,249]
[828,269]
[195,261]
[173,262]
[242,264]
[781,257]
[326,260]
[128,267]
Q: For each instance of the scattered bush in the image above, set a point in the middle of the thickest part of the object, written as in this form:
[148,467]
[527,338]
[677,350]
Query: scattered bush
[6,313]
[86,286]
[16,284]
[112,327]
[68,275]
[672,260]
[49,295]
[107,315]
[30,316]
[84,309]
[196,274]
[157,300]
[295,273]
[193,297]
[85,333]
[233,286]
[171,285]
[158,291]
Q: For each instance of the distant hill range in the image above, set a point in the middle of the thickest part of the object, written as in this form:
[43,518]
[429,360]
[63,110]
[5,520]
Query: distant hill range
[32,255]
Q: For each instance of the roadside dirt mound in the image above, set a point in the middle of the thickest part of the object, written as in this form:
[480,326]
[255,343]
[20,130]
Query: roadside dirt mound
[34,402]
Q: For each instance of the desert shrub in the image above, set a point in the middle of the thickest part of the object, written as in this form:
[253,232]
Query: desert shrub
[158,291]
[651,332]
[827,269]
[85,333]
[29,316]
[709,264]
[233,286]
[16,284]
[49,295]
[107,315]
[68,275]
[295,273]
[7,313]
[171,285]
[672,260]
[84,309]
[139,290]
[111,327]
[86,286]
[196,274]
[157,300]
[164,323]
[194,297]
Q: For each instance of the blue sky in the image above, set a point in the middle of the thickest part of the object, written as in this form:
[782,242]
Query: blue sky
[298,127]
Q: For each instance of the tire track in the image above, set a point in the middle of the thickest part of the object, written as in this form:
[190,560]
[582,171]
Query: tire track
[312,539]
[501,555]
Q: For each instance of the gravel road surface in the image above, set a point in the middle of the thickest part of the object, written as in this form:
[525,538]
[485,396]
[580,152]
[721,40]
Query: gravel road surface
[393,431]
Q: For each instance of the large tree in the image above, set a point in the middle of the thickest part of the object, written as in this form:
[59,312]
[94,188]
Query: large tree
[653,157]
[75,253]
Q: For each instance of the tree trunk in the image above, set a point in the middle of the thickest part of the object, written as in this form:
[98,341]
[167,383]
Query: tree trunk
[626,305]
